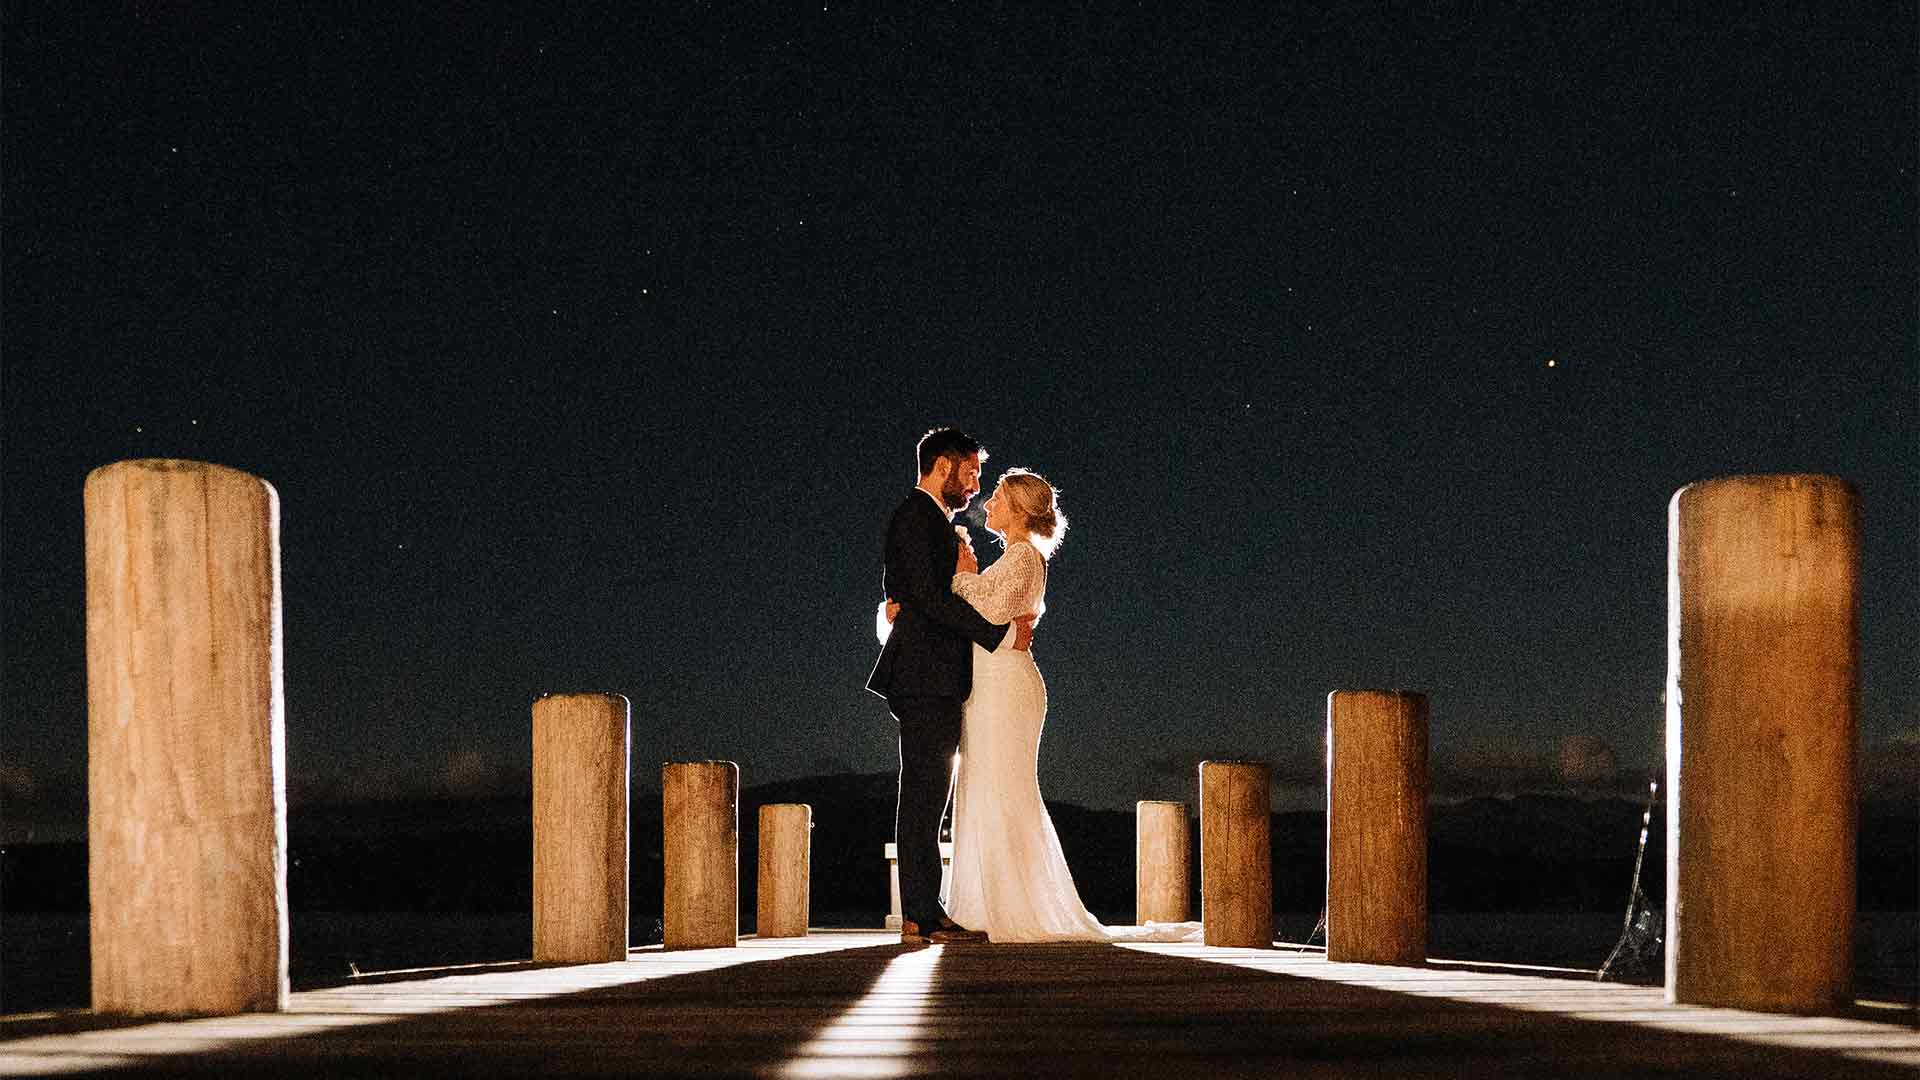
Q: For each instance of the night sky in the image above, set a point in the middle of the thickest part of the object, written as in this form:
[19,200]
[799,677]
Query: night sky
[587,350]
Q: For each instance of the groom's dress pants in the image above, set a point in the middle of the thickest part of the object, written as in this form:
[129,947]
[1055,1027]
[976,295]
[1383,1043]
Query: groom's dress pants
[929,737]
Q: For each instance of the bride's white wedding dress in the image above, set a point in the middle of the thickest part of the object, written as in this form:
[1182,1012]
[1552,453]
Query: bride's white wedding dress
[1008,876]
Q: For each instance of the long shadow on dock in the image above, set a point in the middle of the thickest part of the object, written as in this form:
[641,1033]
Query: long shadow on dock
[992,1010]
[744,1018]
[1088,1013]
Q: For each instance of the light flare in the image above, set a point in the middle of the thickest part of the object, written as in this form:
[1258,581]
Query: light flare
[881,1034]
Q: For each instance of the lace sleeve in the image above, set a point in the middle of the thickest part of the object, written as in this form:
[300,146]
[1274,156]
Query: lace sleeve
[1007,589]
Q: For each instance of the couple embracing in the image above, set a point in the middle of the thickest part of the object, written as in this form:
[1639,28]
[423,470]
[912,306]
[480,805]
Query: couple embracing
[958,677]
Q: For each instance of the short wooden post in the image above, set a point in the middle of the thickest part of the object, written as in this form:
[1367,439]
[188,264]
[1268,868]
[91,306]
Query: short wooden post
[1163,862]
[786,867]
[186,741]
[700,804]
[1763,663]
[580,755]
[1236,854]
[1377,826]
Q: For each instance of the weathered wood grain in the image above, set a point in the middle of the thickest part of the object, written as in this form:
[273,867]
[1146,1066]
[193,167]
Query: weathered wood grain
[781,905]
[1377,826]
[186,743]
[1163,866]
[1236,853]
[700,804]
[581,749]
[1763,671]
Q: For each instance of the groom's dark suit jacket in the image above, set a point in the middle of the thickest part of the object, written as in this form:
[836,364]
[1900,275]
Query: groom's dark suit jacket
[926,654]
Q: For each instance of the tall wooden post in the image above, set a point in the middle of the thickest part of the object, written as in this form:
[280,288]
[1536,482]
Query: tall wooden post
[1377,826]
[1162,862]
[786,868]
[1236,854]
[1763,662]
[580,759]
[700,804]
[186,741]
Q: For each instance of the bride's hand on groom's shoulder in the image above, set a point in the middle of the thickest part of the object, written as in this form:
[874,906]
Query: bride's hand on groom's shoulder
[892,609]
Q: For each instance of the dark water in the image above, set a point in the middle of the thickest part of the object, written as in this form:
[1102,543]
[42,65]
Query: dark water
[43,956]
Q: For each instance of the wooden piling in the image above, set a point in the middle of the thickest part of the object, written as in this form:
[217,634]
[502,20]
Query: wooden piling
[580,855]
[186,741]
[1236,854]
[1763,662]
[700,804]
[1163,862]
[1377,826]
[781,906]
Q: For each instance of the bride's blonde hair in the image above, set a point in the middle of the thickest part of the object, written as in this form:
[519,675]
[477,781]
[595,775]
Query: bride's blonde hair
[1038,504]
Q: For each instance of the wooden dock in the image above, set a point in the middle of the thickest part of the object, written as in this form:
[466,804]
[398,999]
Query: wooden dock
[858,1004]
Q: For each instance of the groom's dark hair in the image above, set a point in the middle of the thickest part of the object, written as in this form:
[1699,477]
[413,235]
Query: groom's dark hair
[946,442]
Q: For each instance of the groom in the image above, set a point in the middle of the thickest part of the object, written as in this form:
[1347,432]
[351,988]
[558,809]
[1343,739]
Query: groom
[925,670]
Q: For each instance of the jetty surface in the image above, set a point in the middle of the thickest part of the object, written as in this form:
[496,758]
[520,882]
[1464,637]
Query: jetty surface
[859,1004]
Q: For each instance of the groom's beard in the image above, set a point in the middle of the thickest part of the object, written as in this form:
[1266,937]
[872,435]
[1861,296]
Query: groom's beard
[955,496]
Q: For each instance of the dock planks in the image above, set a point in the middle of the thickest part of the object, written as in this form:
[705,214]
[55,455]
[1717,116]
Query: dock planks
[859,1004]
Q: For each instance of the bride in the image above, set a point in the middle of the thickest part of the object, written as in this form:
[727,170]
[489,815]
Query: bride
[1008,876]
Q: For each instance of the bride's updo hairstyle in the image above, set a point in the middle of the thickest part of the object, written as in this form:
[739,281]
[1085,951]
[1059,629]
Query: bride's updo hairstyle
[1038,503]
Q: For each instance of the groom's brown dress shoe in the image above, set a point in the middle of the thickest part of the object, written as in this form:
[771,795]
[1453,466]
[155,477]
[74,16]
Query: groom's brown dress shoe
[910,933]
[952,933]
